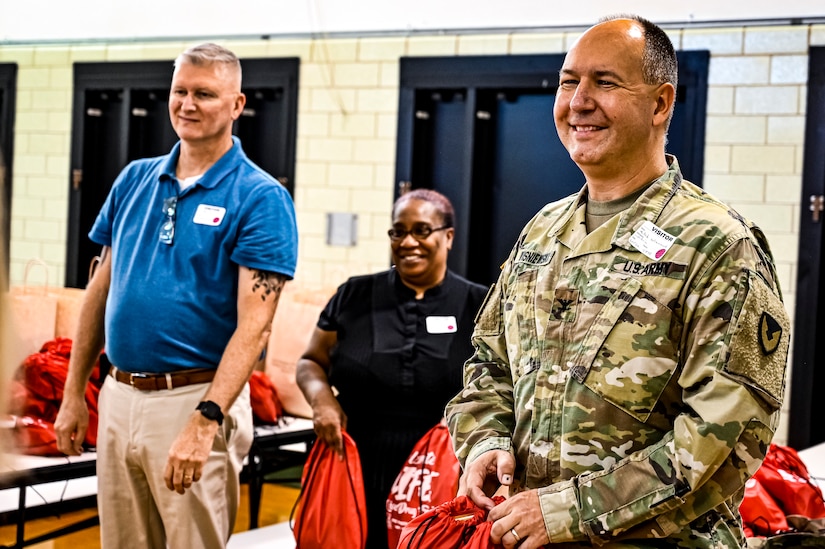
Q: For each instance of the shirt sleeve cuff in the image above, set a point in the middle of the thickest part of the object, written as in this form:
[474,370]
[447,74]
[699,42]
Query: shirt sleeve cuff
[559,506]
[493,443]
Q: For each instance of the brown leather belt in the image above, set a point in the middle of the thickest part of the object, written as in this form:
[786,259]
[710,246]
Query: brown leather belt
[159,382]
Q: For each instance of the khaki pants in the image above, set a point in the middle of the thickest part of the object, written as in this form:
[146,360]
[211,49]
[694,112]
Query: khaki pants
[137,510]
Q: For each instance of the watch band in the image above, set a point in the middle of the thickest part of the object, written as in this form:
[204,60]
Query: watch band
[210,410]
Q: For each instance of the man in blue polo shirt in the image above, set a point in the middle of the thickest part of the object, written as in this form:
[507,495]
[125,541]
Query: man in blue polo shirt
[197,245]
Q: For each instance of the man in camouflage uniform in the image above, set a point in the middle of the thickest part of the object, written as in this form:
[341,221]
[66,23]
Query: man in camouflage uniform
[630,360]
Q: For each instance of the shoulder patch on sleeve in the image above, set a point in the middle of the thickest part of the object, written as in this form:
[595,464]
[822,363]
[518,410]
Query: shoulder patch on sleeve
[770,334]
[760,341]
[488,318]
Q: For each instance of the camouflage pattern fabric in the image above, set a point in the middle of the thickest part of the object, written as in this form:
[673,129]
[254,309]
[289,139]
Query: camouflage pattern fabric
[793,540]
[637,394]
[807,533]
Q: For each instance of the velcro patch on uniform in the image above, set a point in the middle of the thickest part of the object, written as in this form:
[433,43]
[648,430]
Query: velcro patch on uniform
[760,341]
[650,268]
[488,318]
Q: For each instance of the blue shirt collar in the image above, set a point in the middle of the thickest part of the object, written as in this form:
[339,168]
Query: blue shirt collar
[213,175]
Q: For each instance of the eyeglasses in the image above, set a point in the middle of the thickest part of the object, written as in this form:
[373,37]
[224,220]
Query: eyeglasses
[167,230]
[419,232]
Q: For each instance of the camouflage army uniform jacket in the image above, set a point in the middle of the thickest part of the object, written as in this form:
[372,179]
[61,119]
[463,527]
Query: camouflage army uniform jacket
[637,394]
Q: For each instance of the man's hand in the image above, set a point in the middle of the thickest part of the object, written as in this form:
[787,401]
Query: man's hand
[71,425]
[518,521]
[483,477]
[72,419]
[189,453]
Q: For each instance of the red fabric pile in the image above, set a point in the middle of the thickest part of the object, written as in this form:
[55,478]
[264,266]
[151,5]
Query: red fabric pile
[266,405]
[36,394]
[780,488]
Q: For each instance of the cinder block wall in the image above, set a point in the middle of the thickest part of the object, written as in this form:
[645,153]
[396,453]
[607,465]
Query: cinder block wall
[347,121]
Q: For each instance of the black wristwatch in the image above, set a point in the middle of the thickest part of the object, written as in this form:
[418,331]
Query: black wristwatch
[210,410]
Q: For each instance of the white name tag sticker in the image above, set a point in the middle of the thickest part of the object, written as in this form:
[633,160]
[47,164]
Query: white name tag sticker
[209,215]
[441,325]
[652,241]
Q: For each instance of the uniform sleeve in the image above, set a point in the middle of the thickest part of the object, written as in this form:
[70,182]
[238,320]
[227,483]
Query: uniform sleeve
[480,417]
[733,356]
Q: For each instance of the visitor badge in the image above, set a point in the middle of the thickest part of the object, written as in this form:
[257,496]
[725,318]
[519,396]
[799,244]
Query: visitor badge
[209,215]
[441,325]
[652,241]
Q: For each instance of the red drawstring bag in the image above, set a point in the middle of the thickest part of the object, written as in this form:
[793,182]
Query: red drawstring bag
[479,538]
[263,395]
[786,479]
[331,510]
[455,524]
[428,478]
[761,515]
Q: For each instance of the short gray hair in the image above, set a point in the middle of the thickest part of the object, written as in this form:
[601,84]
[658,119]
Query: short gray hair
[208,53]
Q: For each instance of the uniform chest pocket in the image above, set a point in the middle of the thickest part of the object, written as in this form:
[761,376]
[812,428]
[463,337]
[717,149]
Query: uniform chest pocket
[627,355]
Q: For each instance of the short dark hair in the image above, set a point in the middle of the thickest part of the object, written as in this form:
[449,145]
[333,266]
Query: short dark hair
[441,203]
[659,64]
[207,54]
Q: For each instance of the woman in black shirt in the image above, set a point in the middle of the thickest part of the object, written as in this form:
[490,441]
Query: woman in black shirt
[393,345]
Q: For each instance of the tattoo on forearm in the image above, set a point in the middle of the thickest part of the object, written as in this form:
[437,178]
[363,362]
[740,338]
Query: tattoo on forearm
[268,284]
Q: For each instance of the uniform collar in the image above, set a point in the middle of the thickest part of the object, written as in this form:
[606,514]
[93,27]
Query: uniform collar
[650,205]
[570,228]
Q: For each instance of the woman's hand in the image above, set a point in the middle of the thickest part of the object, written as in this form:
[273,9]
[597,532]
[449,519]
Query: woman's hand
[329,421]
[311,374]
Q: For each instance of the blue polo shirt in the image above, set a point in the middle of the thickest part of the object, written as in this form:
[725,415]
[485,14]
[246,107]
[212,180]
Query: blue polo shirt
[174,306]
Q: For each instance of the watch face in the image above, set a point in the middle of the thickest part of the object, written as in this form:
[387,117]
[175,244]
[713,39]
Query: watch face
[210,410]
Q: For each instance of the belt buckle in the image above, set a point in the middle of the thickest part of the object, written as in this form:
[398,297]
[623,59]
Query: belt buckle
[138,376]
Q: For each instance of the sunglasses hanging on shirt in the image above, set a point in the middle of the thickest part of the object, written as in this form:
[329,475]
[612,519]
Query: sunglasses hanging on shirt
[167,230]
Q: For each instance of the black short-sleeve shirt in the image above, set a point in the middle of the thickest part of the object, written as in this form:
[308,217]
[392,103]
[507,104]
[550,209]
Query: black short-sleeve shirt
[398,358]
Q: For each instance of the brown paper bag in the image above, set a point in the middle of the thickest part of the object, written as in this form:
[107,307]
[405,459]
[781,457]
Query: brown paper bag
[69,301]
[33,312]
